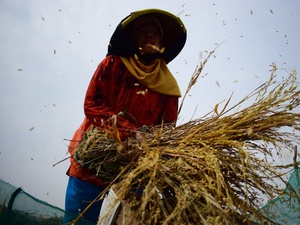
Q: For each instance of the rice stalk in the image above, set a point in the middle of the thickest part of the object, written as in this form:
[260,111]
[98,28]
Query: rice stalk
[211,170]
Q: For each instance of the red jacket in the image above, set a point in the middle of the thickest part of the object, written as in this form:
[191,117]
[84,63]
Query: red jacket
[113,90]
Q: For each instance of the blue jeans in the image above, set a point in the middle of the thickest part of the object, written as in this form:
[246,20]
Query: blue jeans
[79,195]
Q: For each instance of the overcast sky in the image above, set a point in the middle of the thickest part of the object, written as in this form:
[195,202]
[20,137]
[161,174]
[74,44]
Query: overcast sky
[50,49]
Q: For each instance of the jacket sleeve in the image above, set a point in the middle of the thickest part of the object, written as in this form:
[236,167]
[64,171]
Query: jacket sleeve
[96,105]
[170,112]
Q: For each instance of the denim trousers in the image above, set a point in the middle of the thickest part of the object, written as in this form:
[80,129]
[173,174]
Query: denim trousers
[79,195]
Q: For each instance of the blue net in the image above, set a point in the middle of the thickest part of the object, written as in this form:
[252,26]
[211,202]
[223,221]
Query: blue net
[285,209]
[20,208]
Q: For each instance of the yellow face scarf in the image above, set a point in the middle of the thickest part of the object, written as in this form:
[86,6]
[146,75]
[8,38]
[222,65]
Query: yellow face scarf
[156,77]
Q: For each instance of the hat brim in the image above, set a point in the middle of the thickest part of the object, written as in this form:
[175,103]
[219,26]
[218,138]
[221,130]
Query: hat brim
[121,42]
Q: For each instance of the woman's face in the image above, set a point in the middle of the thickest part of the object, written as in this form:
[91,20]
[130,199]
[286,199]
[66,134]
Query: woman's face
[148,38]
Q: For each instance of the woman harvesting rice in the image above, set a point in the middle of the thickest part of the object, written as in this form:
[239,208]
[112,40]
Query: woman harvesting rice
[132,84]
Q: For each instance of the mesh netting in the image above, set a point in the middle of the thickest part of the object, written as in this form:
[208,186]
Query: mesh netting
[285,209]
[20,208]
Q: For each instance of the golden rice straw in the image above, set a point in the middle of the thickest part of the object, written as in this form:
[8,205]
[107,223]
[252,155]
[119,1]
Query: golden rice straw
[212,170]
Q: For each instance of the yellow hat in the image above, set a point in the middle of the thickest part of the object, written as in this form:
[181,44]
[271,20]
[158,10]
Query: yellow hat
[172,28]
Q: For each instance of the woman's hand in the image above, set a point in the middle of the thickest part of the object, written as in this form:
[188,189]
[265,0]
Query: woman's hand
[135,141]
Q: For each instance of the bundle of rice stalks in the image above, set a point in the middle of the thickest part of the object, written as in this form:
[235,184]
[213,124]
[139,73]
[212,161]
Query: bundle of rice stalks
[213,170]
[101,152]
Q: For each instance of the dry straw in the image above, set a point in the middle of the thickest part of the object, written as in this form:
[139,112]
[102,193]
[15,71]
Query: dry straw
[212,170]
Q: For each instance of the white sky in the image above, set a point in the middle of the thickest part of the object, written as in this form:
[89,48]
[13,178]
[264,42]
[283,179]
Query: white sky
[42,93]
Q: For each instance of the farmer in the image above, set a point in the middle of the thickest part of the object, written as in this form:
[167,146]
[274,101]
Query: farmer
[132,84]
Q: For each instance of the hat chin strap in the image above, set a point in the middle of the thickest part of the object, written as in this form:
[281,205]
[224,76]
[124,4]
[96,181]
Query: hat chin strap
[147,58]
